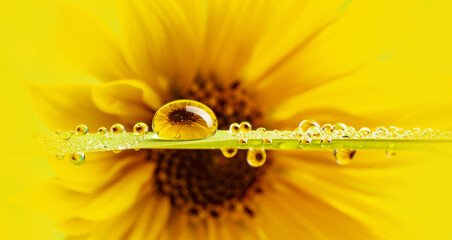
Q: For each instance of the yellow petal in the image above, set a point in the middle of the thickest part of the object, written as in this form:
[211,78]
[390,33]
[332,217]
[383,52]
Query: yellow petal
[91,43]
[100,170]
[159,43]
[64,106]
[233,28]
[369,200]
[336,43]
[110,199]
[382,94]
[130,101]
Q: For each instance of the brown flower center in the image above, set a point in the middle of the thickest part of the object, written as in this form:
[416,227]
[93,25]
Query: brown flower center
[204,182]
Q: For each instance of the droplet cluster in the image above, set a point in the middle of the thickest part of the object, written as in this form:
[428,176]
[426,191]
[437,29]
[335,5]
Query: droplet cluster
[114,140]
[310,129]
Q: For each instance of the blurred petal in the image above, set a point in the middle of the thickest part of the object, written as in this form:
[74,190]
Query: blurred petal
[64,106]
[233,29]
[375,96]
[340,42]
[130,101]
[90,43]
[112,198]
[364,199]
[160,43]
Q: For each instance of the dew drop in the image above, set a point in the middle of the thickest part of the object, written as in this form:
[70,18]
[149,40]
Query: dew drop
[365,131]
[326,140]
[314,132]
[327,128]
[261,130]
[117,128]
[102,130]
[234,128]
[245,127]
[340,126]
[81,129]
[229,152]
[140,128]
[71,132]
[184,119]
[267,141]
[306,124]
[65,136]
[242,141]
[390,154]
[116,151]
[78,158]
[256,157]
[344,156]
[58,132]
[59,156]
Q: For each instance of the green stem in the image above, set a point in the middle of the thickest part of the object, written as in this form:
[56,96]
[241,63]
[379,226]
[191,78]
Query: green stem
[223,139]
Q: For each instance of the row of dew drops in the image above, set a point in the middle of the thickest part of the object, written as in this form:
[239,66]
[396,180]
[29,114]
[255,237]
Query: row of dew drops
[256,157]
[78,158]
[310,129]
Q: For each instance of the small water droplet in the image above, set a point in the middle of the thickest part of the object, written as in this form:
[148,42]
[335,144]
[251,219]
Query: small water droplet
[78,158]
[140,128]
[365,131]
[137,149]
[326,140]
[81,129]
[340,126]
[390,154]
[256,157]
[116,151]
[184,119]
[314,132]
[327,128]
[58,132]
[65,136]
[267,141]
[344,156]
[261,130]
[59,156]
[242,141]
[245,127]
[229,152]
[234,128]
[117,128]
[306,124]
[102,130]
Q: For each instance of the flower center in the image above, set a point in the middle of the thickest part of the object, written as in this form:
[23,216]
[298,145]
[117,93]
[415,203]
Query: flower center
[181,117]
[204,182]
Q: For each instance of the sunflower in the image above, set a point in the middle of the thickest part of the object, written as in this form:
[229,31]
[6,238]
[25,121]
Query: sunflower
[270,63]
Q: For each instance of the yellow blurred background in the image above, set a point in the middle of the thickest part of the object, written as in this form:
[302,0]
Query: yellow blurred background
[28,51]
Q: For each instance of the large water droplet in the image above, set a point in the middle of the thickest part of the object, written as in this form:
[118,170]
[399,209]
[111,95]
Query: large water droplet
[256,157]
[184,119]
[344,156]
